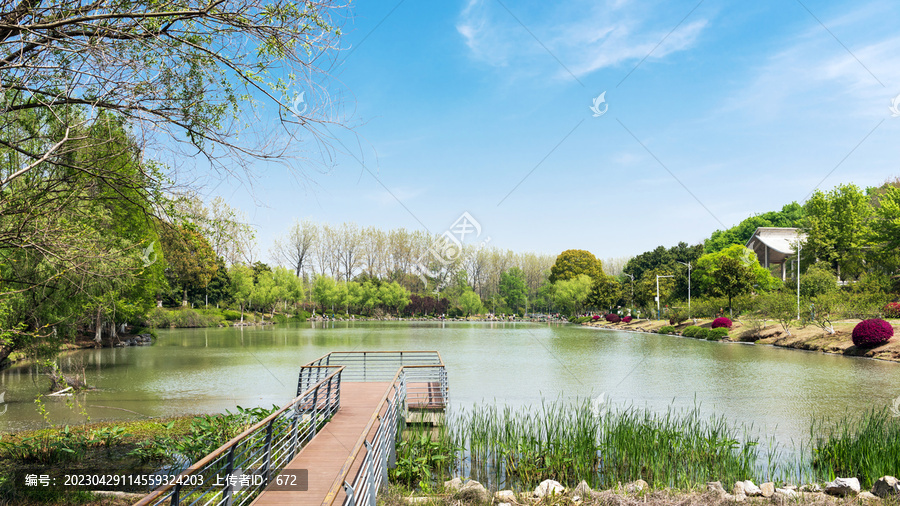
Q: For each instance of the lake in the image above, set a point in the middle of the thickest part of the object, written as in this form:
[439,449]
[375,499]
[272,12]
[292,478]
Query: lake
[210,370]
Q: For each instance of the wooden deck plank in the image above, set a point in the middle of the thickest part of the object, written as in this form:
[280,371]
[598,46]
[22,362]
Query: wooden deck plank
[329,449]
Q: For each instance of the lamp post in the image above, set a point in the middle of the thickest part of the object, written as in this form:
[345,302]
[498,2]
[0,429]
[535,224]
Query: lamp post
[798,277]
[689,287]
[657,293]
[632,292]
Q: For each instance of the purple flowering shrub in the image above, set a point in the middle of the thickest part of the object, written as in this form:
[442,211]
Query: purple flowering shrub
[595,317]
[872,332]
[627,319]
[721,322]
[612,318]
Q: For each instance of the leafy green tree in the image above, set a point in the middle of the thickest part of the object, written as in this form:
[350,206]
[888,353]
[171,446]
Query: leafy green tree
[512,288]
[573,262]
[731,272]
[886,230]
[470,302]
[241,279]
[780,306]
[837,228]
[818,280]
[190,260]
[605,293]
[394,296]
[570,295]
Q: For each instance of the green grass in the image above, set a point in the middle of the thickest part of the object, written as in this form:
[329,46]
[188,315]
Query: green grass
[569,442]
[866,446]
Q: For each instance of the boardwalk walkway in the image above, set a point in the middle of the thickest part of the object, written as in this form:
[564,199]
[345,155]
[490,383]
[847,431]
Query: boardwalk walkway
[324,456]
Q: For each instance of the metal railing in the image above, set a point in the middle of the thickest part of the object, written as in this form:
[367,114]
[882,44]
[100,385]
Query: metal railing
[241,468]
[418,380]
[427,387]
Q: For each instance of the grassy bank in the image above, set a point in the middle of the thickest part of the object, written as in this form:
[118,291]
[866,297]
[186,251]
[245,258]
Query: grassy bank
[213,317]
[569,442]
[807,337]
[134,447]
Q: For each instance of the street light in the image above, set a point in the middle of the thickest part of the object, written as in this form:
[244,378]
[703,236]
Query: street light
[632,291]
[657,292]
[689,287]
[798,277]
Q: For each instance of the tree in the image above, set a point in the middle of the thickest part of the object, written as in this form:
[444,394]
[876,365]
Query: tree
[470,302]
[886,229]
[837,228]
[818,280]
[791,215]
[189,258]
[180,68]
[605,293]
[241,278]
[296,247]
[780,306]
[732,278]
[571,294]
[512,288]
[573,262]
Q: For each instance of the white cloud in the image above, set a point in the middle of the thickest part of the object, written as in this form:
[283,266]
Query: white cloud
[584,36]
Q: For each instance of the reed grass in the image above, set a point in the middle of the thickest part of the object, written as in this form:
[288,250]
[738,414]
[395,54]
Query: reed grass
[570,441]
[865,446]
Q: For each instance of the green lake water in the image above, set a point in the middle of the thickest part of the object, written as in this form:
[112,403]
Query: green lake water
[186,371]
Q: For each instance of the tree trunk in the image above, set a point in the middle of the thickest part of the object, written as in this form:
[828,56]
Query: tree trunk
[112,331]
[242,313]
[98,336]
[184,298]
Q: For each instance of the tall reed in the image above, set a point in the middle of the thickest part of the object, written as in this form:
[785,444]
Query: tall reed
[866,446]
[569,442]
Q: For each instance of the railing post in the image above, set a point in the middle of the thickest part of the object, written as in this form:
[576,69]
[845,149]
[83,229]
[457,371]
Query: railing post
[351,495]
[370,475]
[267,460]
[328,398]
[295,437]
[229,468]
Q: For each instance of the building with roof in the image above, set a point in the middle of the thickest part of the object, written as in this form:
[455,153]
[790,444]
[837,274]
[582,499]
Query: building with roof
[773,245]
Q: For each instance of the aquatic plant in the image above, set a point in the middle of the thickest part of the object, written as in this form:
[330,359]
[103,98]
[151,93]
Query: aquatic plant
[866,446]
[872,332]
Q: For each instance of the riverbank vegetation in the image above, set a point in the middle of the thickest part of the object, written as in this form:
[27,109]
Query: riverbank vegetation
[505,447]
[129,447]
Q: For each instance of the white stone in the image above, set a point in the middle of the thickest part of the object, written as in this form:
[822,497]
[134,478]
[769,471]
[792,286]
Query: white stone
[636,486]
[767,489]
[716,486]
[867,496]
[505,496]
[787,492]
[843,487]
[751,489]
[454,484]
[886,486]
[549,487]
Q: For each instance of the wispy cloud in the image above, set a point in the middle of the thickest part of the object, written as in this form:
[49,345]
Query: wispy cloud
[585,36]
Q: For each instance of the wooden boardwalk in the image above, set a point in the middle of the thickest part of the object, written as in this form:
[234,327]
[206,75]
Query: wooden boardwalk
[329,449]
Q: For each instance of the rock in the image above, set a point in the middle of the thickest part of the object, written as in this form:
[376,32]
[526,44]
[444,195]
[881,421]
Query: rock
[786,492]
[735,497]
[767,489]
[636,486]
[454,484]
[716,486]
[549,487]
[505,496]
[886,486]
[583,490]
[738,488]
[472,491]
[867,496]
[843,487]
[749,488]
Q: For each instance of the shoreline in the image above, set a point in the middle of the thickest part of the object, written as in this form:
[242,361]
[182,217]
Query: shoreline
[809,338]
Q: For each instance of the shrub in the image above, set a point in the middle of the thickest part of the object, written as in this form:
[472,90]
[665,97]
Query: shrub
[721,322]
[595,317]
[668,329]
[677,316]
[716,333]
[872,332]
[892,310]
[627,319]
[231,315]
[613,318]
[691,331]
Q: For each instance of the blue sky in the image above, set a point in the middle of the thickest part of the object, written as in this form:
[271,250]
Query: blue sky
[716,111]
